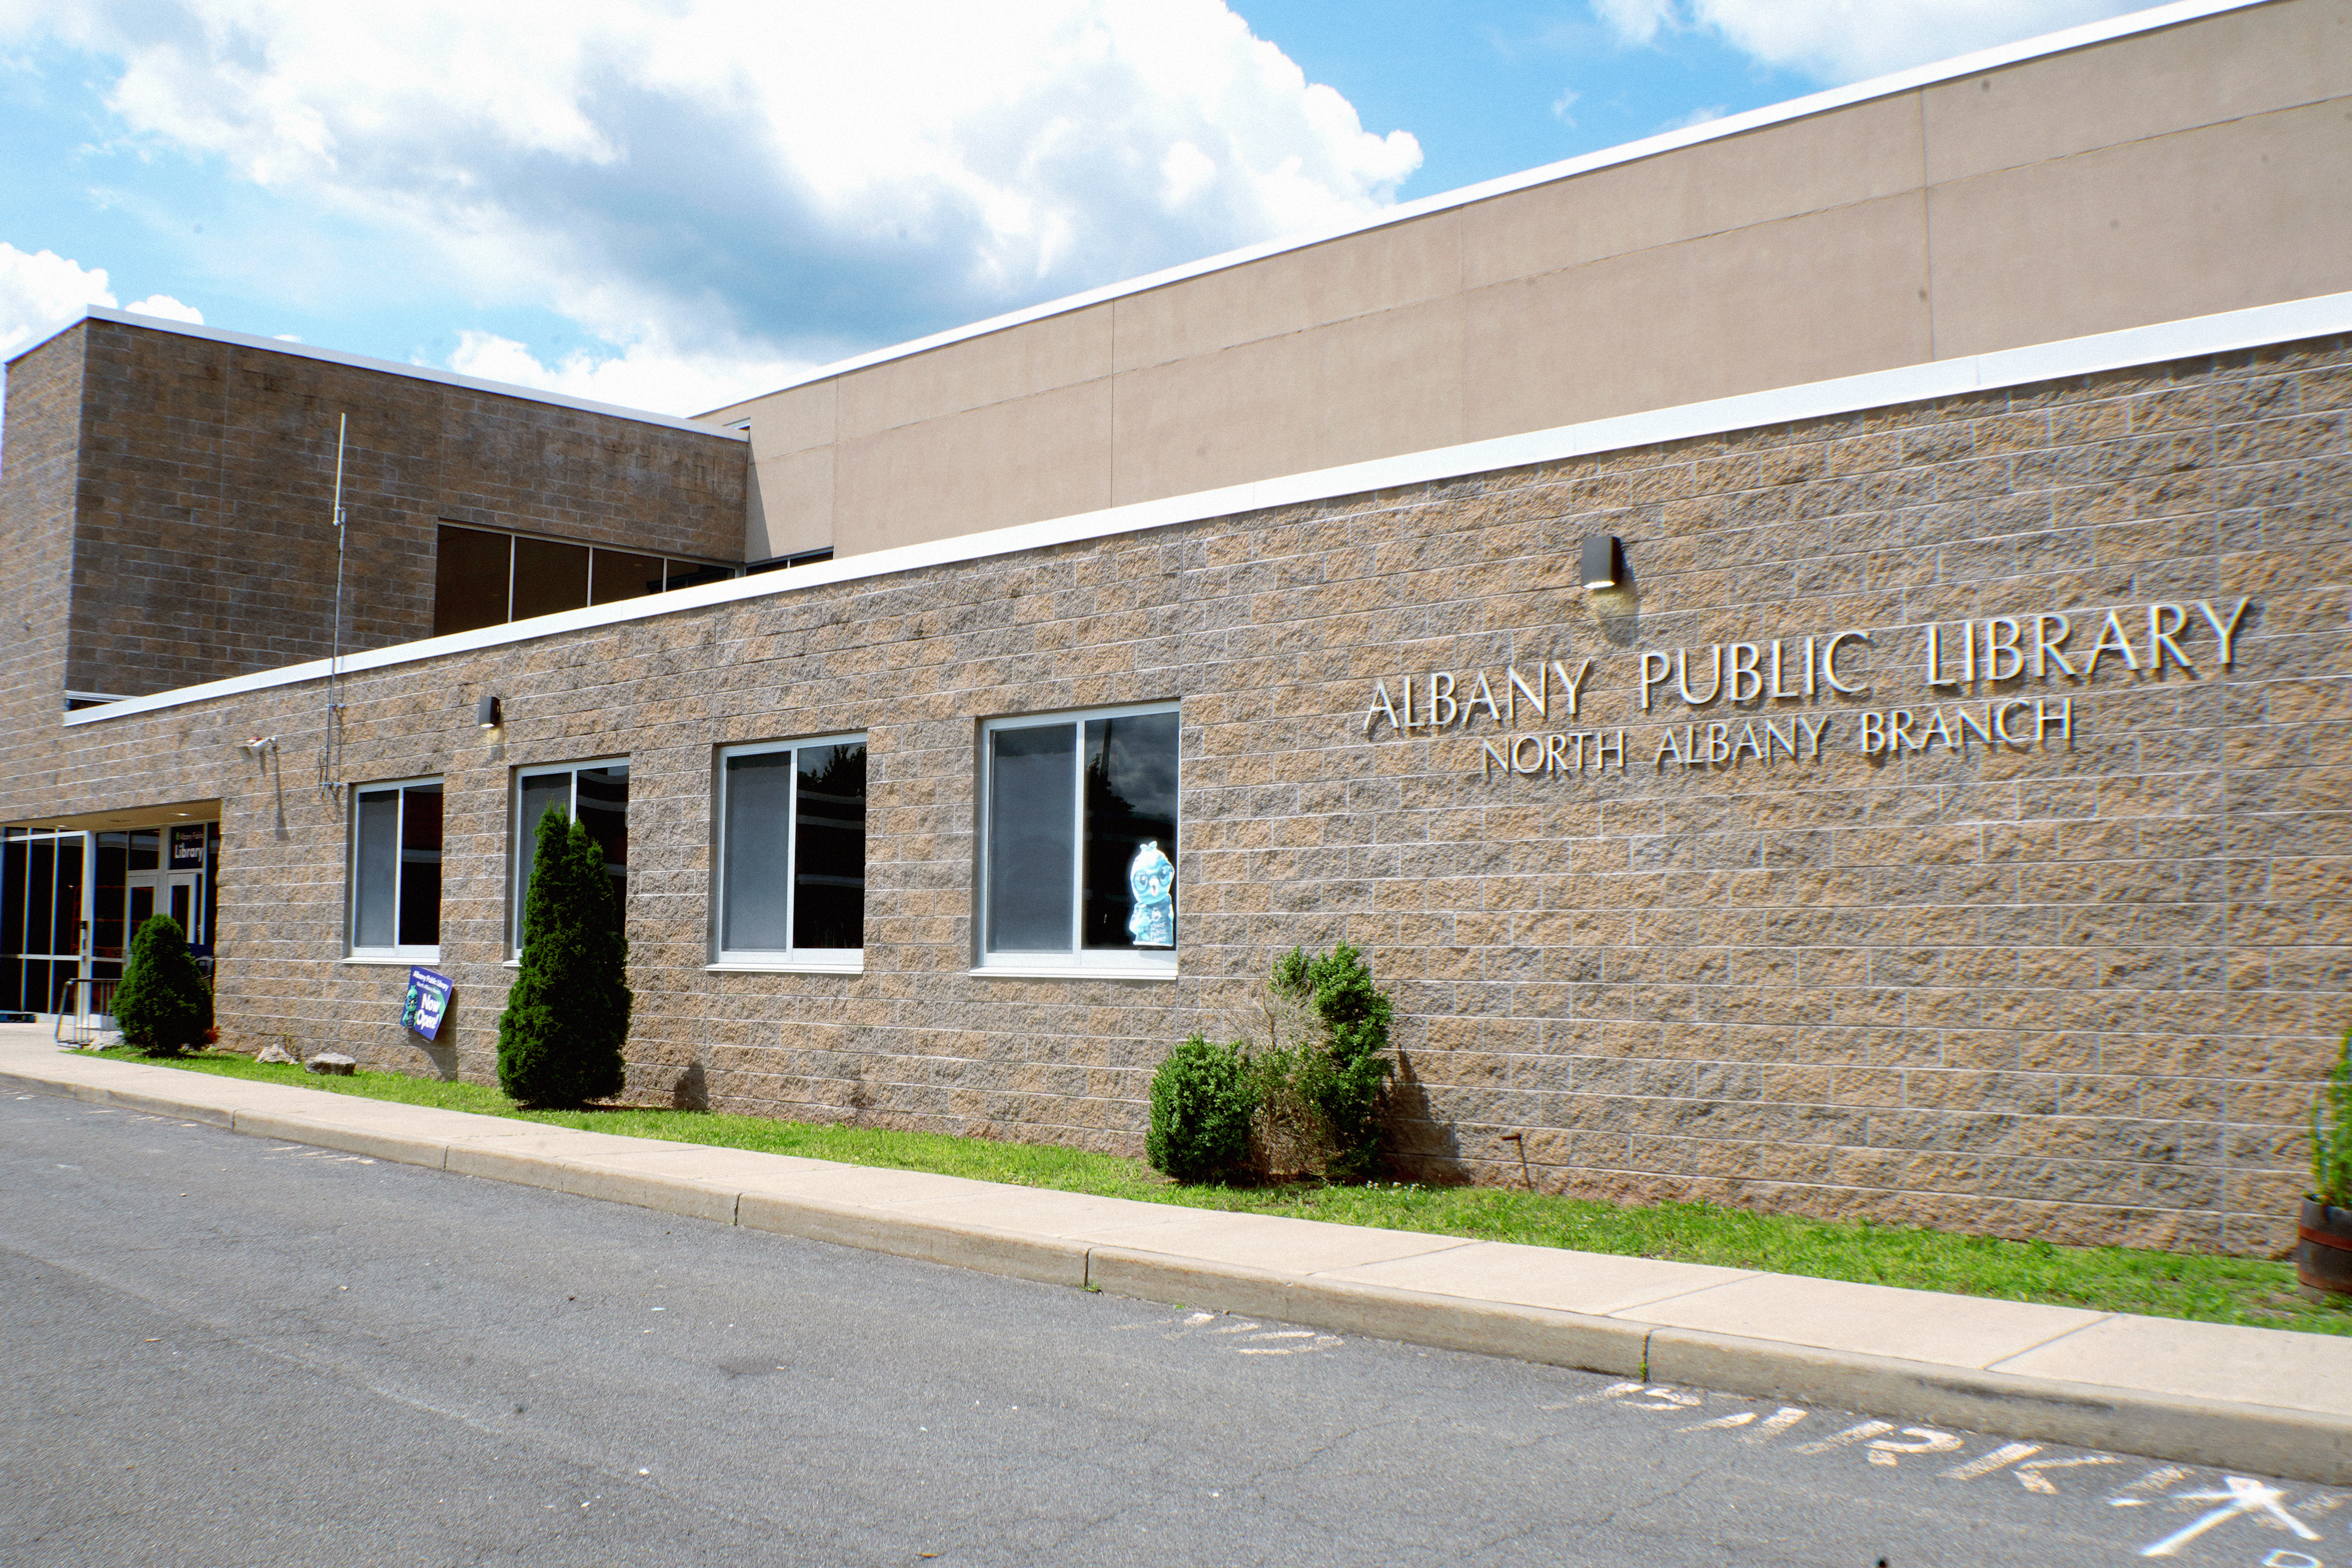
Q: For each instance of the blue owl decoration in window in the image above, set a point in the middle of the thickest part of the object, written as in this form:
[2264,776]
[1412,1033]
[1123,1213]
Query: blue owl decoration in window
[1151,879]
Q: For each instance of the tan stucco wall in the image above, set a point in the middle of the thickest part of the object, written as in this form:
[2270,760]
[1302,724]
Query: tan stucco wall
[2205,167]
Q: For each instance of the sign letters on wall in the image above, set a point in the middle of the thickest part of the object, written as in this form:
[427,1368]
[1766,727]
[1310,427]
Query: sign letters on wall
[1971,674]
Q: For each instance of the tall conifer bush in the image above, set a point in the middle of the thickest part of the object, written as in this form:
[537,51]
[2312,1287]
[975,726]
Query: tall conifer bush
[568,1015]
[163,1006]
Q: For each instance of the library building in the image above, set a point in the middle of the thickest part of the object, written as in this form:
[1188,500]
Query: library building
[1810,652]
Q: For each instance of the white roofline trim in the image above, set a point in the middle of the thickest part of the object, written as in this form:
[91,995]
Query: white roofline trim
[2226,333]
[2090,33]
[389,367]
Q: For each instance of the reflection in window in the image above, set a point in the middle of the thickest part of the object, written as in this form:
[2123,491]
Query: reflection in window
[482,577]
[549,577]
[472,573]
[598,795]
[1032,828]
[1080,843]
[396,870]
[618,576]
[40,918]
[792,880]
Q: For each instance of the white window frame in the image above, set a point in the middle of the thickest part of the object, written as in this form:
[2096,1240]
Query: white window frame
[522,844]
[1079,962]
[396,953]
[773,960]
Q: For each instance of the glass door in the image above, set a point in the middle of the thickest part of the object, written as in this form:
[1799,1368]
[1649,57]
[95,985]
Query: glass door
[45,898]
[152,893]
[178,895]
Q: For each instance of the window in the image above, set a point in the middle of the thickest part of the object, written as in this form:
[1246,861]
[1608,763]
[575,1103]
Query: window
[396,871]
[791,855]
[1078,844]
[595,793]
[779,563]
[486,578]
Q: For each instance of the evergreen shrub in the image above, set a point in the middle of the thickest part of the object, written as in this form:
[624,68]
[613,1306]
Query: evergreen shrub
[162,1005]
[1314,1101]
[567,1017]
[2331,1133]
[1202,1098]
[1329,1088]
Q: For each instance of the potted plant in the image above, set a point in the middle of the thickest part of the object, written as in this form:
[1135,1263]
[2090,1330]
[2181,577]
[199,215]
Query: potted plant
[2323,1253]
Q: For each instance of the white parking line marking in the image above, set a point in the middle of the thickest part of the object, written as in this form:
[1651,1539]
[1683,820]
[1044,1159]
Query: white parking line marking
[1721,1423]
[2239,1495]
[1788,1415]
[1851,1434]
[2029,1476]
[1986,1464]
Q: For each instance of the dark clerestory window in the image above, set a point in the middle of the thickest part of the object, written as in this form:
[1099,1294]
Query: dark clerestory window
[482,577]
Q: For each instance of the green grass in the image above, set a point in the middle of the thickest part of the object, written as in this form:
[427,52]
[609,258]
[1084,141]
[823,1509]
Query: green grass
[2198,1286]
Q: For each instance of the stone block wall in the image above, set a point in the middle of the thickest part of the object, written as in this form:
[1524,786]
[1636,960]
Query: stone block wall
[204,543]
[38,461]
[2075,984]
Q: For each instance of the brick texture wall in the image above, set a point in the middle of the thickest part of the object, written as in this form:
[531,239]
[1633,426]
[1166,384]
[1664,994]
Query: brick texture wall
[2079,988]
[204,542]
[38,457]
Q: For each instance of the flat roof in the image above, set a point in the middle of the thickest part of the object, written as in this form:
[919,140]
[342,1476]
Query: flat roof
[385,367]
[2088,34]
[2226,332]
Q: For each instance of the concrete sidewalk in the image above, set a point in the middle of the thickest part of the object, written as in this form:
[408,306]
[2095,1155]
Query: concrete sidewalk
[2258,1400]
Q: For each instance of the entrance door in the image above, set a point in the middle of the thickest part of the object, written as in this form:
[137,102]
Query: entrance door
[44,916]
[145,895]
[171,893]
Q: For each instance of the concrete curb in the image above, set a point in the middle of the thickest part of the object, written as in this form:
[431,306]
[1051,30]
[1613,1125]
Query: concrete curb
[129,1100]
[325,1135]
[2299,1443]
[1019,1255]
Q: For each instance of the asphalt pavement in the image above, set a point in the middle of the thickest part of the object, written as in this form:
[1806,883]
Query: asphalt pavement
[227,1350]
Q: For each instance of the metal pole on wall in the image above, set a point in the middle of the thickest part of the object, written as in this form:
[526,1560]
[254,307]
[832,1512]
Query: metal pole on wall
[329,779]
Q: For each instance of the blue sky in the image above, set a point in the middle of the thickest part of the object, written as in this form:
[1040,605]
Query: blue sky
[670,205]
[1491,89]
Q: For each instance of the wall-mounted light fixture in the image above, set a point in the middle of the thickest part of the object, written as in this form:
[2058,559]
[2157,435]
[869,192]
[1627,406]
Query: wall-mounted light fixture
[258,747]
[1604,562]
[487,714]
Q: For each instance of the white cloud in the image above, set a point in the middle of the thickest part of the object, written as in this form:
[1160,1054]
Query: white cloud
[645,375]
[41,291]
[1184,174]
[1698,116]
[163,305]
[1848,40]
[701,182]
[1636,21]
